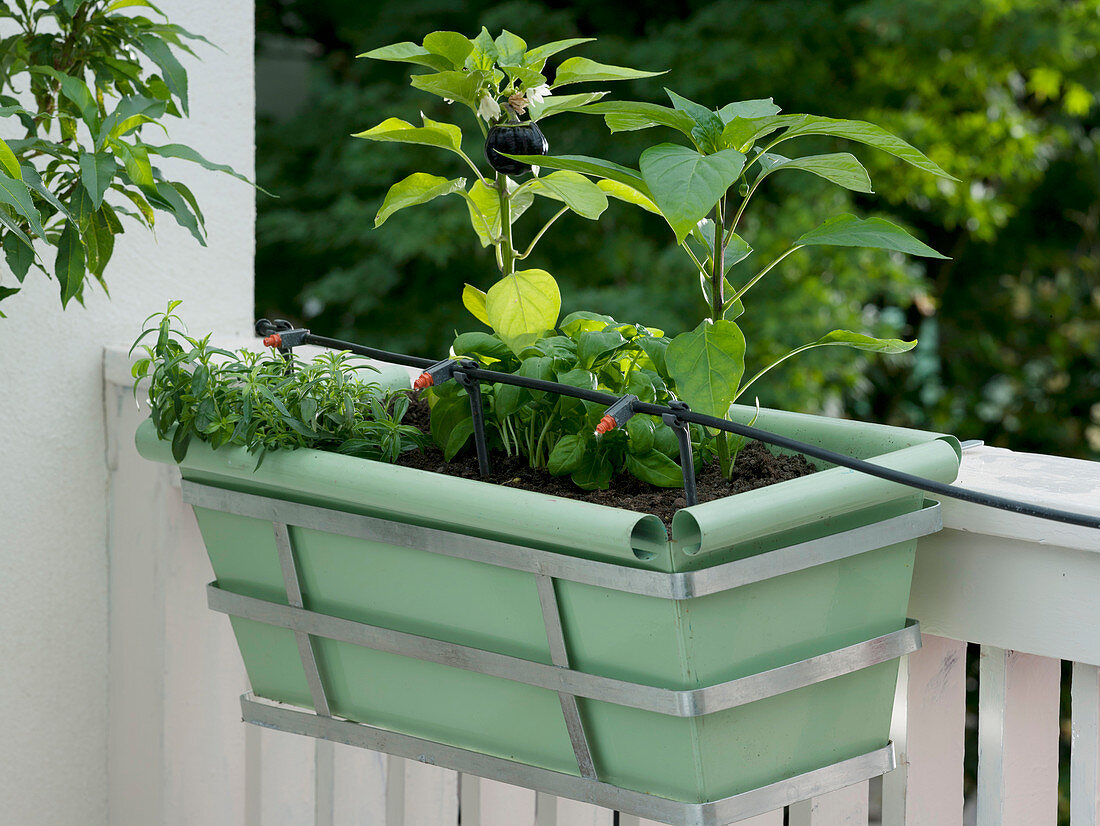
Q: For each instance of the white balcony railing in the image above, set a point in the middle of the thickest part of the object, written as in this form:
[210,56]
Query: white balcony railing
[1026,590]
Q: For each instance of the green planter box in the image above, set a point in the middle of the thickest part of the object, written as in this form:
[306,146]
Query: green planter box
[383,547]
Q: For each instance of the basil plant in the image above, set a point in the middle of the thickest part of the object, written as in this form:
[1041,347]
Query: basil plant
[502,82]
[702,186]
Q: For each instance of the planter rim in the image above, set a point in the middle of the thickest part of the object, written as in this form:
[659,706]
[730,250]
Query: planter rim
[560,524]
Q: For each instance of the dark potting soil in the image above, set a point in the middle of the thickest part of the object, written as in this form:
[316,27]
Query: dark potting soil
[755,467]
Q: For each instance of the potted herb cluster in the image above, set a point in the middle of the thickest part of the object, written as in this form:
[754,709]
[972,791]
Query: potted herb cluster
[494,596]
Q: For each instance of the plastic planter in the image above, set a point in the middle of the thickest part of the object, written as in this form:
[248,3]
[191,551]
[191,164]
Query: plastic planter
[574,647]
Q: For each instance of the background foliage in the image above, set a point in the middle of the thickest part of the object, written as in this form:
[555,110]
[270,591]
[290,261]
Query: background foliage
[1001,94]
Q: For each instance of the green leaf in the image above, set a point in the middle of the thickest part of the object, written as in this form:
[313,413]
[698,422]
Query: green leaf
[686,184]
[509,397]
[69,264]
[594,473]
[843,338]
[588,166]
[573,189]
[13,228]
[123,4]
[707,365]
[432,133]
[862,132]
[484,54]
[15,194]
[595,343]
[136,161]
[407,52]
[453,46]
[96,172]
[510,48]
[473,300]
[759,108]
[9,162]
[877,233]
[841,168]
[451,425]
[186,153]
[640,430]
[629,194]
[628,116]
[656,468]
[76,91]
[418,188]
[540,53]
[168,199]
[741,132]
[484,205]
[859,341]
[34,182]
[736,249]
[18,254]
[567,455]
[581,321]
[708,126]
[99,241]
[175,76]
[523,306]
[454,85]
[481,344]
[556,104]
[583,70]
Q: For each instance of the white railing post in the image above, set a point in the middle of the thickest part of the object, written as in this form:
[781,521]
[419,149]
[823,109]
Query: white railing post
[844,807]
[561,811]
[1084,780]
[926,789]
[1018,698]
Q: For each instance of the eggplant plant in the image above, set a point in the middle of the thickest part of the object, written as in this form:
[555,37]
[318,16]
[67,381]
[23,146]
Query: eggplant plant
[505,86]
[702,190]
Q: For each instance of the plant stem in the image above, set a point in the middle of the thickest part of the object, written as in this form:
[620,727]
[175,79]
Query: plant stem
[542,232]
[717,301]
[507,253]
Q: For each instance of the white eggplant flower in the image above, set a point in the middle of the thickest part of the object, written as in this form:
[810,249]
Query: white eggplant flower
[488,108]
[537,94]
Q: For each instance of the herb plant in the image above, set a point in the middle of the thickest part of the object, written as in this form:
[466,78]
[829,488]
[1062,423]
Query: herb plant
[265,402]
[589,351]
[500,81]
[76,77]
[702,191]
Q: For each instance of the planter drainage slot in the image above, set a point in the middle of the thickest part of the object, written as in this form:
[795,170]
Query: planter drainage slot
[574,687]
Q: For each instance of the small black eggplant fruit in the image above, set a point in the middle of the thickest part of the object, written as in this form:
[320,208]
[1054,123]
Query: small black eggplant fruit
[515,139]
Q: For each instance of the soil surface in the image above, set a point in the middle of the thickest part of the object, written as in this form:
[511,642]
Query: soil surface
[756,467]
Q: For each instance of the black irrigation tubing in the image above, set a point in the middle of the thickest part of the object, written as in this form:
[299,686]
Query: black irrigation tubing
[841,459]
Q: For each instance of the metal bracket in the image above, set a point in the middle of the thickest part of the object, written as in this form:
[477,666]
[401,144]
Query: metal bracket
[443,371]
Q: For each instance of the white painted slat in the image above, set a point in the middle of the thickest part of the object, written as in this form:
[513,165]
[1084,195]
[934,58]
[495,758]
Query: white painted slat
[505,805]
[1084,778]
[1017,739]
[431,796]
[844,807]
[287,777]
[561,811]
[928,730]
[359,787]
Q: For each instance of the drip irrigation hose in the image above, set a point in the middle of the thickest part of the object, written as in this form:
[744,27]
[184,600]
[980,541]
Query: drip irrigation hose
[687,415]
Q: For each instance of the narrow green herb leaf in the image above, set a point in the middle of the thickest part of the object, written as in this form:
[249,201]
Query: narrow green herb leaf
[18,254]
[9,162]
[175,76]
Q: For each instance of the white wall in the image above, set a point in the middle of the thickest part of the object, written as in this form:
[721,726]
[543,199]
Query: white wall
[54,573]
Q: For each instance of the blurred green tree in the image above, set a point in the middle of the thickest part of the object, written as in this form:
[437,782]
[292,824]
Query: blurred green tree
[1002,94]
